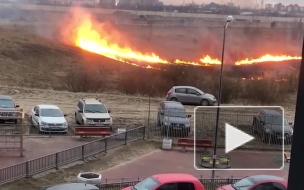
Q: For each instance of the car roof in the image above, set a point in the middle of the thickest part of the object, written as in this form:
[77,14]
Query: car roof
[184,87]
[46,106]
[74,186]
[173,104]
[261,178]
[91,101]
[173,177]
[270,112]
[4,97]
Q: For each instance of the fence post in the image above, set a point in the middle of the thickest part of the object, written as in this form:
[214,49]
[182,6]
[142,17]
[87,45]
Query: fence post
[82,152]
[144,132]
[106,144]
[126,137]
[27,169]
[56,157]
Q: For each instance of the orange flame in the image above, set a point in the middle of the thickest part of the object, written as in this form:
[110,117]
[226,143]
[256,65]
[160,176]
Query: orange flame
[267,58]
[103,39]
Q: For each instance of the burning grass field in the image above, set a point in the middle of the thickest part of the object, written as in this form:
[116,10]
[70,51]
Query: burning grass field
[83,54]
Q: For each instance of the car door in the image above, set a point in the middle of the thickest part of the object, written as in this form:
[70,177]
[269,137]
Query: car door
[161,112]
[263,186]
[35,115]
[181,94]
[193,96]
[78,114]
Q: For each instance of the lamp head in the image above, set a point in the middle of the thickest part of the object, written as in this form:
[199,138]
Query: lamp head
[229,19]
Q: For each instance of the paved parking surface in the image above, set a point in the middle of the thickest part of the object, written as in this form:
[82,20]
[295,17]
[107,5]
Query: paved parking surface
[174,161]
[35,147]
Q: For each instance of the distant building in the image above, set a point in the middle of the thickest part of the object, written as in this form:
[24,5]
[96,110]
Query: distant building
[279,7]
[140,2]
[107,2]
[230,4]
[269,7]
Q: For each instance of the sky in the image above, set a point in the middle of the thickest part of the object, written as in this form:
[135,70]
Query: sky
[242,3]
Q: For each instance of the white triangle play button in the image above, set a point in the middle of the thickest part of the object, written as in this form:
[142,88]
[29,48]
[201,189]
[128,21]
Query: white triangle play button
[235,138]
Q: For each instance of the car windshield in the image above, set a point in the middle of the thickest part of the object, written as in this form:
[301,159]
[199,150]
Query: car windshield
[95,108]
[243,184]
[174,112]
[275,120]
[51,113]
[7,104]
[147,184]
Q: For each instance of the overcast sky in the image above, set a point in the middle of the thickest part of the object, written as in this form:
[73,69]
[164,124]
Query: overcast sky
[242,3]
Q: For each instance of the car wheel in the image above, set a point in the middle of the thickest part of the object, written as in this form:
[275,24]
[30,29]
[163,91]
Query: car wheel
[204,103]
[174,99]
[82,122]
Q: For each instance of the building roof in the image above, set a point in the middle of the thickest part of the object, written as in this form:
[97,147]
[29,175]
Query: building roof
[174,177]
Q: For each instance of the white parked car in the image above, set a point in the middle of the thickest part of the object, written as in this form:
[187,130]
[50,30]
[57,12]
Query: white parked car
[92,112]
[49,118]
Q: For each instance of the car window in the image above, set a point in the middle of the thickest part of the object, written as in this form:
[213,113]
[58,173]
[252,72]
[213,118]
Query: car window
[147,184]
[278,186]
[7,103]
[169,186]
[174,112]
[50,113]
[94,108]
[181,90]
[191,91]
[243,184]
[263,186]
[186,186]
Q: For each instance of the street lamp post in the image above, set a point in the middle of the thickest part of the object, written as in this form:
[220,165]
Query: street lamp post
[228,20]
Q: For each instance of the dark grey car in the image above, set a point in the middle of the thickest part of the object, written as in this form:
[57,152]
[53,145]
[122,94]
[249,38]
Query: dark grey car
[71,186]
[268,125]
[172,117]
[190,95]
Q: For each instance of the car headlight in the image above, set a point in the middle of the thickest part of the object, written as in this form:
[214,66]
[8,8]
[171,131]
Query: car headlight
[65,124]
[166,123]
[291,132]
[44,124]
[89,120]
[268,130]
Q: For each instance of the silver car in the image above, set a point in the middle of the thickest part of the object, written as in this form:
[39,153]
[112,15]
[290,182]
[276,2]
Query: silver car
[190,95]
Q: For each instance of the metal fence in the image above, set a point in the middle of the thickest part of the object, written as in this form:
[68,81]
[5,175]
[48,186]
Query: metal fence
[209,184]
[177,127]
[54,161]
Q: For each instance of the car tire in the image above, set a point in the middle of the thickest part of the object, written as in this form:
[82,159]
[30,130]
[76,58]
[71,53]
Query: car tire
[204,103]
[174,99]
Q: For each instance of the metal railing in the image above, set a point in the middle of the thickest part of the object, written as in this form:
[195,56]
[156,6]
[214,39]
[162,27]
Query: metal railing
[209,184]
[54,161]
[177,127]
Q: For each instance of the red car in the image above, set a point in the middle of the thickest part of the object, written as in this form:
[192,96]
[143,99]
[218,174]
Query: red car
[171,181]
[258,182]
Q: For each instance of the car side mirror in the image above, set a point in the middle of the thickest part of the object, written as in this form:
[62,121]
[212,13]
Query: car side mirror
[80,111]
[198,94]
[109,111]
[65,115]
[290,123]
[189,115]
[17,106]
[161,113]
[36,114]
[262,122]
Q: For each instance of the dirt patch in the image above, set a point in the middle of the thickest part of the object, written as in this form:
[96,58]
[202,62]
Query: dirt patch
[112,158]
